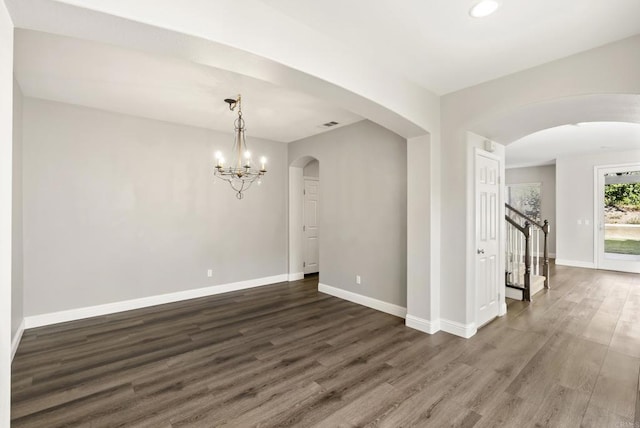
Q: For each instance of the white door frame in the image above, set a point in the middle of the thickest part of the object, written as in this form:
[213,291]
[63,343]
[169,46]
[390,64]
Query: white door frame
[598,220]
[502,308]
[296,184]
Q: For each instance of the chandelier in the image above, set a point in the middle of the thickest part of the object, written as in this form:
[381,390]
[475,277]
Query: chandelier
[240,173]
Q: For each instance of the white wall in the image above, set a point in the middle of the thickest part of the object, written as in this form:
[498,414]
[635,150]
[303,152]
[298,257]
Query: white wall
[6,189]
[546,175]
[17,292]
[575,190]
[312,169]
[608,69]
[118,208]
[363,224]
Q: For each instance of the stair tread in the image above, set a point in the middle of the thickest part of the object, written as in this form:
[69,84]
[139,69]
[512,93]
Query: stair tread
[537,283]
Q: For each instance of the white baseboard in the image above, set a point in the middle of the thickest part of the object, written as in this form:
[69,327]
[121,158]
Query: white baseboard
[417,323]
[458,329]
[16,339]
[296,276]
[127,305]
[422,324]
[370,302]
[575,263]
[503,309]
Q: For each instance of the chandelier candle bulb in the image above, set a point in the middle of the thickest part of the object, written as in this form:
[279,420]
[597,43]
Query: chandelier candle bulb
[263,161]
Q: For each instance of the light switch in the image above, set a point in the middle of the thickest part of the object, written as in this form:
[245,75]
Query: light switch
[579,221]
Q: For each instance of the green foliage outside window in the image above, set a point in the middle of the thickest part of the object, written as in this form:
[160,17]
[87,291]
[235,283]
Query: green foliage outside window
[622,195]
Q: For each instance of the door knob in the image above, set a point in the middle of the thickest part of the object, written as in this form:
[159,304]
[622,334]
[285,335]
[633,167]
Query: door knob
[480,251]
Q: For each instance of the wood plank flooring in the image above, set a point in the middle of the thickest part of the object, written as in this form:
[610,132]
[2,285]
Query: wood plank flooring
[286,355]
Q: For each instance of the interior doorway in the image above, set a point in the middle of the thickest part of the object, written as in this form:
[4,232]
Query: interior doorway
[311,227]
[617,229]
[304,218]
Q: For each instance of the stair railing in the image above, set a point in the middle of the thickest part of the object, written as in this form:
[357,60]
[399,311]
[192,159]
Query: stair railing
[523,250]
[518,238]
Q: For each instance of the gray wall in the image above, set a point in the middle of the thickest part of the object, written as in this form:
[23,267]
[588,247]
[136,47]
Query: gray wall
[6,166]
[575,189]
[118,207]
[363,215]
[312,169]
[17,293]
[546,175]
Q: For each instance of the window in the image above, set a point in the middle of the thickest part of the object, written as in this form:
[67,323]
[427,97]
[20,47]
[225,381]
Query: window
[622,213]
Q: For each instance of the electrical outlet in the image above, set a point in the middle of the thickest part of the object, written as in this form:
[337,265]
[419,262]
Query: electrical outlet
[210,273]
[358,279]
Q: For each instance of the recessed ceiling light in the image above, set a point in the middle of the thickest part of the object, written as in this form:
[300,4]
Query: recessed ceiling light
[484,8]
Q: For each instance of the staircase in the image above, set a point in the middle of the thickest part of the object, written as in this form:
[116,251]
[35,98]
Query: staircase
[527,256]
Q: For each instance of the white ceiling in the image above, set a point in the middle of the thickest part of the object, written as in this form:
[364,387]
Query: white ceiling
[438,45]
[544,147]
[158,87]
[401,48]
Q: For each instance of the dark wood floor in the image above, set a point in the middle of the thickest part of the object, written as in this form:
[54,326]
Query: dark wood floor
[286,355]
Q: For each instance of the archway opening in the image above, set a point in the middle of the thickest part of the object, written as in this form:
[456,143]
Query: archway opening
[556,145]
[304,218]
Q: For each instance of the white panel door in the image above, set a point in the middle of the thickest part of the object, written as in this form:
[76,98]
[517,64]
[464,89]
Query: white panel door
[487,184]
[310,227]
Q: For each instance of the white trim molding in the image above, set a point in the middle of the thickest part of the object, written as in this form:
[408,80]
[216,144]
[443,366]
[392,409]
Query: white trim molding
[575,263]
[127,305]
[422,324]
[296,276]
[370,302]
[458,329]
[16,339]
[503,309]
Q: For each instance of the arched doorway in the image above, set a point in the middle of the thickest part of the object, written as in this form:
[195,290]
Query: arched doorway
[578,223]
[304,216]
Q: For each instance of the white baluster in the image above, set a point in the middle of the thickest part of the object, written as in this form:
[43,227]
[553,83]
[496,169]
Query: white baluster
[537,251]
[531,246]
[519,254]
[513,255]
[507,251]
